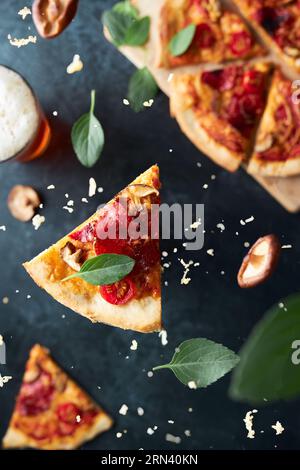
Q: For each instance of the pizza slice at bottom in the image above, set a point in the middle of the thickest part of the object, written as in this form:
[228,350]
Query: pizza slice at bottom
[52,412]
[135,301]
[219,110]
[277,147]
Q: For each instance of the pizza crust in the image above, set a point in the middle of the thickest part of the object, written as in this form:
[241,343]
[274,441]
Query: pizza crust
[48,269]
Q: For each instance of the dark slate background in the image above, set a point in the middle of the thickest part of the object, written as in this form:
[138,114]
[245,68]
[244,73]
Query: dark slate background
[211,306]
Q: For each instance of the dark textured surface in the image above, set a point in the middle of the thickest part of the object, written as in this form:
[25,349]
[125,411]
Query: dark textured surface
[211,306]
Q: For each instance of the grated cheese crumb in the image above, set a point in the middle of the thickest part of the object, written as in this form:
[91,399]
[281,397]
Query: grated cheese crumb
[69,209]
[126,102]
[84,199]
[92,187]
[185,280]
[76,65]
[210,252]
[3,228]
[150,373]
[4,379]
[123,410]
[286,246]
[140,411]
[192,384]
[248,420]
[37,221]
[196,224]
[150,431]
[188,433]
[22,41]
[5,300]
[148,104]
[221,227]
[163,335]
[24,12]
[173,439]
[51,186]
[134,345]
[119,435]
[278,428]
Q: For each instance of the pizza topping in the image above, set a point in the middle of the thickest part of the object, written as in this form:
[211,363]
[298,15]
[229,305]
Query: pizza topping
[35,396]
[22,202]
[86,234]
[204,36]
[71,256]
[52,17]
[240,43]
[260,262]
[253,81]
[271,18]
[291,51]
[120,292]
[221,80]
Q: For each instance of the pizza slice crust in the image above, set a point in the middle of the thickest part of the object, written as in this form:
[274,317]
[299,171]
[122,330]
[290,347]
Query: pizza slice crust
[48,269]
[16,438]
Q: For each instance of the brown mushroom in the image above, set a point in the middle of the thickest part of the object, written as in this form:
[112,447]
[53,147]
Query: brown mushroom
[260,262]
[71,256]
[22,202]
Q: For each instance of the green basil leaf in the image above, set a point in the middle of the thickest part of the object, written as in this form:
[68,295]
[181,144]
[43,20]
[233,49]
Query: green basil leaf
[142,87]
[88,137]
[200,362]
[117,24]
[182,40]
[104,269]
[137,34]
[126,8]
[266,370]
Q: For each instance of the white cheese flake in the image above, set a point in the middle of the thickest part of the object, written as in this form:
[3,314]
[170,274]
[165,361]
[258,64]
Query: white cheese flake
[221,226]
[76,65]
[185,279]
[150,373]
[22,41]
[248,420]
[24,12]
[148,104]
[150,431]
[37,221]
[123,410]
[125,102]
[247,221]
[51,186]
[140,411]
[192,384]
[3,228]
[210,252]
[84,199]
[278,428]
[69,209]
[163,335]
[284,247]
[119,435]
[195,224]
[92,187]
[5,300]
[134,345]
[4,379]
[173,439]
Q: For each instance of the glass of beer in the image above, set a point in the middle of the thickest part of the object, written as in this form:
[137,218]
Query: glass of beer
[24,129]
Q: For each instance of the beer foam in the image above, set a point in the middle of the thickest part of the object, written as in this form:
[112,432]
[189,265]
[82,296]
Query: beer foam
[19,115]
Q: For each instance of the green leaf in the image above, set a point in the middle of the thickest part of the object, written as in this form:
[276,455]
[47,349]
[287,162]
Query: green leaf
[104,269]
[126,8]
[117,24]
[182,40]
[201,361]
[137,34]
[88,137]
[266,370]
[142,87]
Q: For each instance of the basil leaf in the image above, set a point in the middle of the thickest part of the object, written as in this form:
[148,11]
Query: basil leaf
[137,34]
[200,362]
[104,269]
[88,137]
[126,8]
[180,43]
[266,370]
[142,87]
[117,25]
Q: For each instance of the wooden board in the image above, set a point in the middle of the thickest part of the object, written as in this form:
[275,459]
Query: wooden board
[285,190]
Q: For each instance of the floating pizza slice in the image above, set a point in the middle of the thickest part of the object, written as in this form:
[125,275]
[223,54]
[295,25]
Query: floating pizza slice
[52,412]
[277,148]
[220,35]
[219,110]
[133,302]
[278,22]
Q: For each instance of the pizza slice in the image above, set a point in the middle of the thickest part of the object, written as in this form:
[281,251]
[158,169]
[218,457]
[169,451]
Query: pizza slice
[134,302]
[277,147]
[220,35]
[52,412]
[219,110]
[278,23]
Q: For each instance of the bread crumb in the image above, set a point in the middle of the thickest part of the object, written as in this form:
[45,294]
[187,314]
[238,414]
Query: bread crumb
[76,65]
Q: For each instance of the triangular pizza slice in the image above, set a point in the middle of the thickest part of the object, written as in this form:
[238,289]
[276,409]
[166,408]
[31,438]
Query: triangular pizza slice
[219,110]
[220,35]
[277,147]
[52,412]
[278,23]
[134,302]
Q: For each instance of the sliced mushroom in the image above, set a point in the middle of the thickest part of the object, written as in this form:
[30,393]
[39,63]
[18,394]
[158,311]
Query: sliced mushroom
[260,262]
[22,202]
[264,144]
[142,190]
[71,256]
[292,51]
[31,374]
